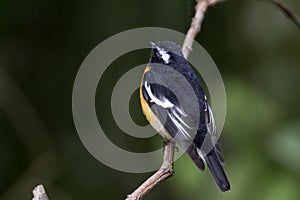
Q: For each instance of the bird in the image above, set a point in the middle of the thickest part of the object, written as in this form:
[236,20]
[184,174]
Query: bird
[173,101]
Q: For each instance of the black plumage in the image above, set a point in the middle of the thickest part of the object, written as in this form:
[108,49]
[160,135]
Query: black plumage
[183,113]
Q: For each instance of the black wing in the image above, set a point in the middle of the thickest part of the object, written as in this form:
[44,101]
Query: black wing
[212,131]
[179,125]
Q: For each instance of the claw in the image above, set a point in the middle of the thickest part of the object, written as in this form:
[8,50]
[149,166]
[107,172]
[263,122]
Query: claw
[166,142]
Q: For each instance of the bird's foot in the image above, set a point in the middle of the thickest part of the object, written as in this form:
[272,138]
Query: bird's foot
[166,142]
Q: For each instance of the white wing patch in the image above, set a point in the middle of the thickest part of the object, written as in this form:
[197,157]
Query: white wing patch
[165,103]
[212,130]
[174,112]
[177,120]
[201,154]
[211,125]
[180,119]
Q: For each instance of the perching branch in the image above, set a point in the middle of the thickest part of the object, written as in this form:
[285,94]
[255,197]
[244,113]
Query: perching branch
[166,169]
[201,8]
[288,12]
[195,27]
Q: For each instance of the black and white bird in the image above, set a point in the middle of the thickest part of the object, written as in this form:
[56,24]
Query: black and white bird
[174,103]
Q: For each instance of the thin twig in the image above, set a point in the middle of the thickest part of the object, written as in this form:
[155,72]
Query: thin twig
[195,27]
[39,193]
[165,171]
[288,12]
[32,134]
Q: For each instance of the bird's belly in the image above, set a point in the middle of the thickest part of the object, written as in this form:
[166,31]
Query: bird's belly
[153,120]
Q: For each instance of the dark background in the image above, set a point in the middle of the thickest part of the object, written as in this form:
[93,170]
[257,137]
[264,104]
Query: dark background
[42,45]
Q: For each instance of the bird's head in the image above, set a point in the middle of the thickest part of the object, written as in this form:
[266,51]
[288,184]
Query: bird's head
[165,52]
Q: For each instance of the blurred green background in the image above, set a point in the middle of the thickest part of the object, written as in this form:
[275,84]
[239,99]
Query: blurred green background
[42,45]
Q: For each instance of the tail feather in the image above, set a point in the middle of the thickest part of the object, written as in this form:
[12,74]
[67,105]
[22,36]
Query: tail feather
[217,171]
[193,154]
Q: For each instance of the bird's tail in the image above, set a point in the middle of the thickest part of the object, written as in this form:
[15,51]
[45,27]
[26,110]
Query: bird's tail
[217,171]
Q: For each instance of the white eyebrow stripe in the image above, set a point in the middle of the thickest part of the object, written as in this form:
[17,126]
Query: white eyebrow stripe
[165,103]
[164,55]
